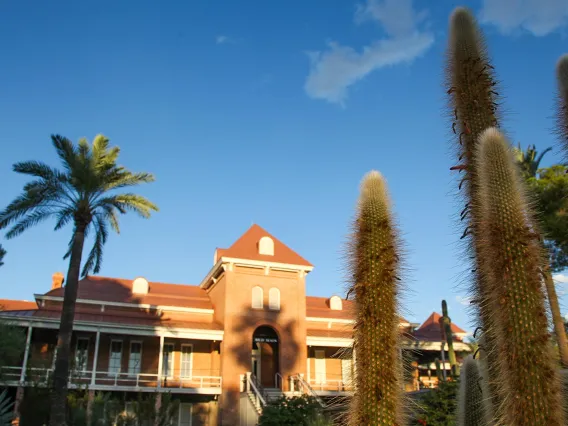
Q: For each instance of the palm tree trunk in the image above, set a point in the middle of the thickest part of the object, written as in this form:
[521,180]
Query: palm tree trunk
[557,318]
[61,373]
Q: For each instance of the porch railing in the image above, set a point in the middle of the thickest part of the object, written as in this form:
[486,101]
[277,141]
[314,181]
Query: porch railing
[105,378]
[299,384]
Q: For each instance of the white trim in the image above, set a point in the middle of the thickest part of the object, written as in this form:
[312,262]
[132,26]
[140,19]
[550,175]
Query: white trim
[95,358]
[172,358]
[130,354]
[277,266]
[129,305]
[334,342]
[160,361]
[137,330]
[271,265]
[337,320]
[437,346]
[26,354]
[190,345]
[111,373]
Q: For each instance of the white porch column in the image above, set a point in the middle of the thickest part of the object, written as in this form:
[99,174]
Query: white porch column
[26,354]
[96,358]
[160,361]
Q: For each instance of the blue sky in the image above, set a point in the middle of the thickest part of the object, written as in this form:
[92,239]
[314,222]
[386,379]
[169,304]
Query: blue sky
[265,112]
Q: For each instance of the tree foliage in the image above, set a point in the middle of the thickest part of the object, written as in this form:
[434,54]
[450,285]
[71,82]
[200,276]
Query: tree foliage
[550,190]
[438,406]
[2,254]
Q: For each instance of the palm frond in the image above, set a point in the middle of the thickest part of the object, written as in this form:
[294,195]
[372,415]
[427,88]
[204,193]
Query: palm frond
[6,409]
[31,219]
[66,151]
[95,258]
[131,202]
[2,254]
[63,216]
[38,169]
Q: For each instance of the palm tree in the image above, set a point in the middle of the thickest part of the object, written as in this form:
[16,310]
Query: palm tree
[529,163]
[82,194]
[2,254]
[528,160]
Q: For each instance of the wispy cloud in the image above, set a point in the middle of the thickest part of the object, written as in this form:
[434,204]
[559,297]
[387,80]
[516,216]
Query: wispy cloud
[464,300]
[539,17]
[561,282]
[223,39]
[334,70]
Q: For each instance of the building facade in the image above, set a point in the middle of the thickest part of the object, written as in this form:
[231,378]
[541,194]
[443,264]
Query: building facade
[246,333]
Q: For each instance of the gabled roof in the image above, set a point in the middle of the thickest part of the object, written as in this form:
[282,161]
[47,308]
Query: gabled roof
[431,329]
[246,247]
[106,289]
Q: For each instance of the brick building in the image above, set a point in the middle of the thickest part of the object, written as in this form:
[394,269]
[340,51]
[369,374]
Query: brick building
[246,333]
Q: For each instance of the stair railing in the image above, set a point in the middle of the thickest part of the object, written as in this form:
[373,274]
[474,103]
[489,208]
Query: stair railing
[304,387]
[278,381]
[253,386]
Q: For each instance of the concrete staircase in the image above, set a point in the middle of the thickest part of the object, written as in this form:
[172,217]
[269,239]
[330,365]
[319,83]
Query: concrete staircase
[272,394]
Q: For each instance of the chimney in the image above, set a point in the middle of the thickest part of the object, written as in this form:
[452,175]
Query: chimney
[57,280]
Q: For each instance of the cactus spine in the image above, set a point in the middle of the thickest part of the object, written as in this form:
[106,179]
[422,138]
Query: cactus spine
[472,405]
[512,259]
[447,327]
[562,111]
[473,104]
[375,272]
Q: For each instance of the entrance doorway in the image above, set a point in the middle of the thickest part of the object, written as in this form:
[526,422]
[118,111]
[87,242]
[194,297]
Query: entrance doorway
[264,356]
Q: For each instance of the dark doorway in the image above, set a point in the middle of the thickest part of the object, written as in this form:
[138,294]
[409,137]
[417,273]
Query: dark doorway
[264,360]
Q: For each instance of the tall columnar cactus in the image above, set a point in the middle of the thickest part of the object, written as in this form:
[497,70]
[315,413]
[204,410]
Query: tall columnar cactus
[512,258]
[447,326]
[562,112]
[374,261]
[473,102]
[439,374]
[472,404]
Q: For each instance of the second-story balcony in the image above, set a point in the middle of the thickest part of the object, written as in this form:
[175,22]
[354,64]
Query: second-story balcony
[201,382]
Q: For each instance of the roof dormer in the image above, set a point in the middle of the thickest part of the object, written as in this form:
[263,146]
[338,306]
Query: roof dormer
[335,303]
[266,246]
[140,286]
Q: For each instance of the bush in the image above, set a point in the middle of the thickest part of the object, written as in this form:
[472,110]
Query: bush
[438,406]
[296,411]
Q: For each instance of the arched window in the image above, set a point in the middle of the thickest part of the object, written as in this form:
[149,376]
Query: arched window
[335,303]
[257,298]
[274,299]
[266,246]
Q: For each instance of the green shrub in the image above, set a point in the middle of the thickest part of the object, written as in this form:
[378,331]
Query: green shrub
[438,406]
[296,411]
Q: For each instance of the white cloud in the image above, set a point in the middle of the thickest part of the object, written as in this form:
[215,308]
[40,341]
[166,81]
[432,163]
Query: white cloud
[464,300]
[334,70]
[561,282]
[540,17]
[223,39]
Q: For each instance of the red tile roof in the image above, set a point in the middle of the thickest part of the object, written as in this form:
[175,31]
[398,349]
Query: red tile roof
[246,247]
[120,290]
[430,330]
[16,305]
[129,318]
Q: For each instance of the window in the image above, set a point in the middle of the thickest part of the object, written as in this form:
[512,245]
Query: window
[184,418]
[81,354]
[320,366]
[135,359]
[168,360]
[335,303]
[266,246]
[257,298]
[274,299]
[186,361]
[115,358]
